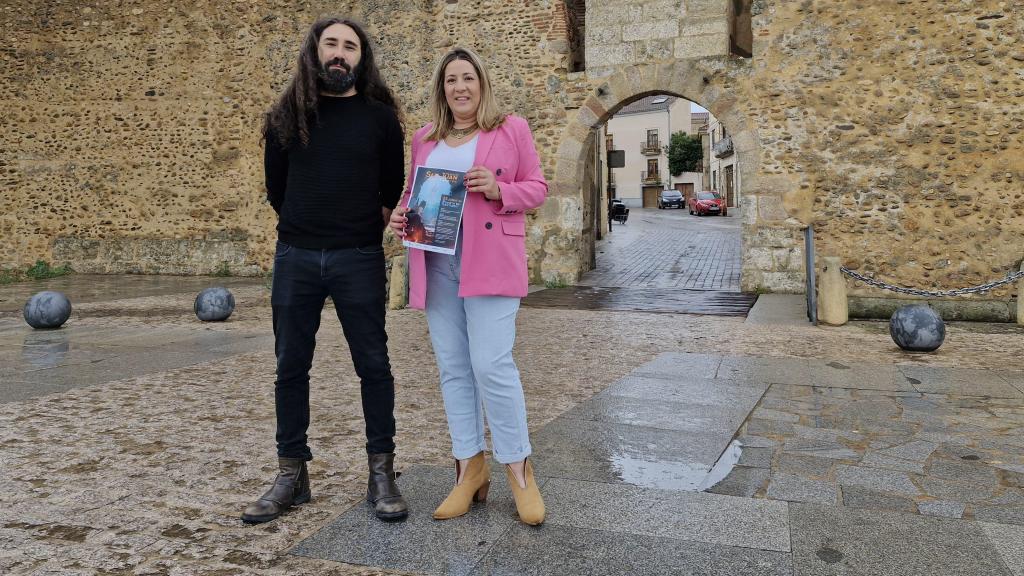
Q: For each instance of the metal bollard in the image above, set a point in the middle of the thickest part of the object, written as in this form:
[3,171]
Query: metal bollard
[833,308]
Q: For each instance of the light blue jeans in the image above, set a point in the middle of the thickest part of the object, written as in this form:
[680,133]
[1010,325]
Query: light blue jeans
[473,340]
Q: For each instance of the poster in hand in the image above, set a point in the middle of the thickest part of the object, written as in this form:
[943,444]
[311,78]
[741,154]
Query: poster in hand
[435,210]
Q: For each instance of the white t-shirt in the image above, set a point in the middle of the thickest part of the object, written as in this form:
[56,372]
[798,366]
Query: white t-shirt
[459,158]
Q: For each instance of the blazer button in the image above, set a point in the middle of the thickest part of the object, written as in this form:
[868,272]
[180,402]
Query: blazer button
[488,225]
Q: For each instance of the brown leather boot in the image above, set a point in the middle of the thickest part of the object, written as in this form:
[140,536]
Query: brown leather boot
[291,488]
[381,490]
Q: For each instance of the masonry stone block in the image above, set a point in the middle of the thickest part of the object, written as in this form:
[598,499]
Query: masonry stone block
[615,11]
[771,209]
[599,35]
[663,10]
[650,30]
[706,9]
[702,46]
[761,258]
[655,49]
[611,54]
[713,26]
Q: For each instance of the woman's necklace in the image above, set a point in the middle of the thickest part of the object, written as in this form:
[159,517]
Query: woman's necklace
[460,133]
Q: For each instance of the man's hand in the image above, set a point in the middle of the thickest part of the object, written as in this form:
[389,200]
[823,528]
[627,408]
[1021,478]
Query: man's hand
[397,220]
[386,213]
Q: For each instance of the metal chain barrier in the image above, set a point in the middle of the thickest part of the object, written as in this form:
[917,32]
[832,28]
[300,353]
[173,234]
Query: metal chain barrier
[1010,277]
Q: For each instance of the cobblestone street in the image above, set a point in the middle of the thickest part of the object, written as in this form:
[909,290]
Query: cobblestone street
[670,249]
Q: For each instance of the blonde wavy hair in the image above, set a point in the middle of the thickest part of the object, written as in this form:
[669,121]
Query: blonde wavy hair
[488,115]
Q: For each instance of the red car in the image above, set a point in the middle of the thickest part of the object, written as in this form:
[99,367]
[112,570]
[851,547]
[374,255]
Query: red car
[703,203]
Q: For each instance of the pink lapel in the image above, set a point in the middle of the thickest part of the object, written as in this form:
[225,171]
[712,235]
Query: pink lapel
[483,146]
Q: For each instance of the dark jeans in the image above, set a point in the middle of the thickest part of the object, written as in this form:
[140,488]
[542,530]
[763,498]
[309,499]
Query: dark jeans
[354,279]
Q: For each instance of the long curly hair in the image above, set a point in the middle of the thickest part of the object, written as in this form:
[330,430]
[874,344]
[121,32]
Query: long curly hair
[295,111]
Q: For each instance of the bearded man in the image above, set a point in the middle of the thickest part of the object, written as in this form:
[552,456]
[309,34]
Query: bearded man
[334,171]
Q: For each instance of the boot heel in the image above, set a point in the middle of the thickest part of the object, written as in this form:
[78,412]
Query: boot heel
[481,494]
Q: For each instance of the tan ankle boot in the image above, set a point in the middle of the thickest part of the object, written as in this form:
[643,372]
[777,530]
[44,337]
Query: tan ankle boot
[529,504]
[475,484]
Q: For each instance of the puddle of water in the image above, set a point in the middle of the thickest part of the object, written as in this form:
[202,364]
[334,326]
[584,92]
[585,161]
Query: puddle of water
[666,475]
[726,462]
[45,349]
[670,475]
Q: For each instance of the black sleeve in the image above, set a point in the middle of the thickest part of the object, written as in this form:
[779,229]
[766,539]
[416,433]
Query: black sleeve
[275,166]
[392,164]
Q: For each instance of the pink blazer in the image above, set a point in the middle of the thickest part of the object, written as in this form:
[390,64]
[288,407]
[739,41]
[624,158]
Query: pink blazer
[493,232]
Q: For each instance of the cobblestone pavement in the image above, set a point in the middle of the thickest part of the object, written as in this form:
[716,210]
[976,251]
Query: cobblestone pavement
[669,249]
[137,465]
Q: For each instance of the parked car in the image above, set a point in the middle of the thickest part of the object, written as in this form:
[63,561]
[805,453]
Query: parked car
[670,199]
[703,203]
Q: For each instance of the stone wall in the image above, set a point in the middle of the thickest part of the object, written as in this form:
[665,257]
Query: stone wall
[893,126]
[899,131]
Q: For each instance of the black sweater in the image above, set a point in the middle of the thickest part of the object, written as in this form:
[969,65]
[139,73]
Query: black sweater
[329,193]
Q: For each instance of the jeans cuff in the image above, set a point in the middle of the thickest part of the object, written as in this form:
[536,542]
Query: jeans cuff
[467,454]
[515,456]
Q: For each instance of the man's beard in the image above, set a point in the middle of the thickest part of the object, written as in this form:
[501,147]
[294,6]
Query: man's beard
[336,81]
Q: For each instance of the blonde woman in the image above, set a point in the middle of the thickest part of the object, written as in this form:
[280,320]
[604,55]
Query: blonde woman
[471,298]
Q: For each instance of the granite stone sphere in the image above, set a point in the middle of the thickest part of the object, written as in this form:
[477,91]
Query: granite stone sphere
[47,309]
[214,304]
[917,328]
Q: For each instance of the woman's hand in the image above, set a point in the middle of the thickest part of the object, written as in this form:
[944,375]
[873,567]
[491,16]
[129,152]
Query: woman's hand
[398,221]
[481,179]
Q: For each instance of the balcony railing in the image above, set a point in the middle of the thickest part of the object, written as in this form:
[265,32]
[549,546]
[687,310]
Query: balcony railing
[650,148]
[650,178]
[723,147]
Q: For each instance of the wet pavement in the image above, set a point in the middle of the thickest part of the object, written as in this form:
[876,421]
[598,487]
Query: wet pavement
[131,439]
[669,249]
[666,300]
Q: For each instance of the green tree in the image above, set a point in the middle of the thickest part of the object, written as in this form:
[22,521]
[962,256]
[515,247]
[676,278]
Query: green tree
[685,153]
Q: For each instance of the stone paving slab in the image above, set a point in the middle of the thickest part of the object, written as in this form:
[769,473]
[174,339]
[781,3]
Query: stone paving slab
[561,550]
[674,364]
[843,541]
[698,516]
[742,481]
[1009,541]
[683,389]
[723,419]
[941,508]
[856,377]
[769,370]
[796,488]
[620,453]
[960,382]
[859,497]
[420,543]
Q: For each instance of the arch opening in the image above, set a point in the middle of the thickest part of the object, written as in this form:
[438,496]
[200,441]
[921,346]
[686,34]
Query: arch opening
[652,155]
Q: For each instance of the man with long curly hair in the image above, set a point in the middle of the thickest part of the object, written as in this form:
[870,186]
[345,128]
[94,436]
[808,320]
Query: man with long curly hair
[334,168]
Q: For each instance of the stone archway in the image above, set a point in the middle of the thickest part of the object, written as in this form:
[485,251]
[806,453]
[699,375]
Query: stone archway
[566,254]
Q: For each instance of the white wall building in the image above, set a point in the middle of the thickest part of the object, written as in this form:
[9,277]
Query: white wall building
[642,129]
[725,174]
